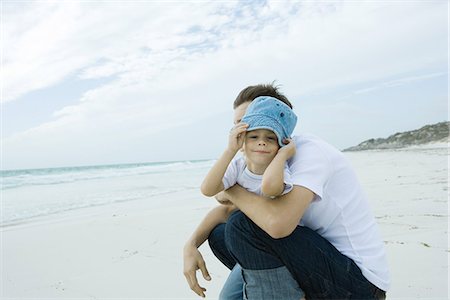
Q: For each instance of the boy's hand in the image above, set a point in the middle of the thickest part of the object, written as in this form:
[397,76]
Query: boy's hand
[289,150]
[237,136]
[222,200]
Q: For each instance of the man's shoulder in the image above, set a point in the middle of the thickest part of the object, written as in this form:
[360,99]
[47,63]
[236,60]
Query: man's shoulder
[311,145]
[311,140]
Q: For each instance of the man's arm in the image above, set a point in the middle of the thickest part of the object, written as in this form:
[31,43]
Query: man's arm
[192,257]
[214,217]
[277,217]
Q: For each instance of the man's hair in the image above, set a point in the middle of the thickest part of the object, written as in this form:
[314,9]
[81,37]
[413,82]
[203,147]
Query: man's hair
[251,92]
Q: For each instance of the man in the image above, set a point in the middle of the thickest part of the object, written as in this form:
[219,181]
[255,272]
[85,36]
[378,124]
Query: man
[322,232]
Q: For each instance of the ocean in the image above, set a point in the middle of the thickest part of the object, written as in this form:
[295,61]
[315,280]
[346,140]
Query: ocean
[36,193]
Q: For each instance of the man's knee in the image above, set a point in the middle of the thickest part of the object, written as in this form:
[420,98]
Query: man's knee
[216,238]
[237,226]
[240,231]
[249,244]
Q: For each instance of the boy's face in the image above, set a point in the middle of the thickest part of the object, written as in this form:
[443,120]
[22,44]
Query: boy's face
[260,146]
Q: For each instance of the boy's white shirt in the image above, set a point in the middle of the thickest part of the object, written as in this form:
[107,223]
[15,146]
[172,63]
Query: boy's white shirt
[340,211]
[237,172]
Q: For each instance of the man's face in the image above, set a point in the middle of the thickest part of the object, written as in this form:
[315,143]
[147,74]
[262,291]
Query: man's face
[239,112]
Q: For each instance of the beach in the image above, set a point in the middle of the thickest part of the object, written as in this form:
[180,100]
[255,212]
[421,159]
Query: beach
[131,248]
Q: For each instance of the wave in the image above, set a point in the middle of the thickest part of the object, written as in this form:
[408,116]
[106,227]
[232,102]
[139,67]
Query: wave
[11,179]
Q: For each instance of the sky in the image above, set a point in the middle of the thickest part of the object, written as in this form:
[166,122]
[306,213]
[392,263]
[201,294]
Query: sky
[108,82]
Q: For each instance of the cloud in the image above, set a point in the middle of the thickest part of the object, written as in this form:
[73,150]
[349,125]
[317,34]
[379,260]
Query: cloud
[61,38]
[175,63]
[394,83]
[141,41]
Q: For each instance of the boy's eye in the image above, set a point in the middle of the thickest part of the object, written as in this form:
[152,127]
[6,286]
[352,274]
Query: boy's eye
[271,137]
[253,136]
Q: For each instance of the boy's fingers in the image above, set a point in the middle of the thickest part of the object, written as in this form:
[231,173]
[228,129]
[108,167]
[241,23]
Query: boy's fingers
[239,128]
[241,131]
[225,202]
[240,125]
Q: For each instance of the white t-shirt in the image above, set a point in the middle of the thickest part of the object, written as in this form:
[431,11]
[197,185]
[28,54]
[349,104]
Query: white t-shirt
[340,211]
[237,172]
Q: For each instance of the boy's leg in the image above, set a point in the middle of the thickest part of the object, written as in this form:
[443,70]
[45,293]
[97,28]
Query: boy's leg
[271,284]
[233,287]
[319,268]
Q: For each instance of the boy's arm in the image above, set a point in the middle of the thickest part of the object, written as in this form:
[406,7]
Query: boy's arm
[192,257]
[212,184]
[273,179]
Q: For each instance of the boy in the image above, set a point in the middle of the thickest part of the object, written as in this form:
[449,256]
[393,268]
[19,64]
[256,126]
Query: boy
[264,136]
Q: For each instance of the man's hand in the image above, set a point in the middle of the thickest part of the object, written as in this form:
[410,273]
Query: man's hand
[237,136]
[288,150]
[193,261]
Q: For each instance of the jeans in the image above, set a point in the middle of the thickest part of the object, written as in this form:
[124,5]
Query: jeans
[234,286]
[276,283]
[320,270]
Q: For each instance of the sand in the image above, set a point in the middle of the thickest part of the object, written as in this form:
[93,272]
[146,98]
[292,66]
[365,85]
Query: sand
[133,250]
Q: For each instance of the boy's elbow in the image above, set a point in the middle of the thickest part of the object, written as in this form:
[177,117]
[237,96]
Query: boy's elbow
[205,191]
[208,192]
[270,190]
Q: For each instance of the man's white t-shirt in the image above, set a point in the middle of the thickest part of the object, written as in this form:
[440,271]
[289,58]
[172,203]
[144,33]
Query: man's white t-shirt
[340,211]
[237,172]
